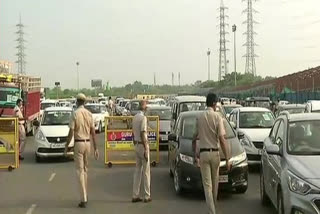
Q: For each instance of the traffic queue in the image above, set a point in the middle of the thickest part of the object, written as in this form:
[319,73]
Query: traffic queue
[281,140]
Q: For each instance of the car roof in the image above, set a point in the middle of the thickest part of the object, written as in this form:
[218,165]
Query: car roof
[315,104]
[158,107]
[257,99]
[190,99]
[58,109]
[253,109]
[304,117]
[232,105]
[291,106]
[94,104]
[50,101]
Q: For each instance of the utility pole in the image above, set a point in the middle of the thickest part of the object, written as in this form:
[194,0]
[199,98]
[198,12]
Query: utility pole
[250,44]
[78,81]
[234,29]
[172,79]
[154,79]
[179,76]
[21,47]
[208,54]
[223,67]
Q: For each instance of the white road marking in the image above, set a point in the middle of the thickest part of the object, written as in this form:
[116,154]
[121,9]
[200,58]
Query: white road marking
[52,177]
[31,209]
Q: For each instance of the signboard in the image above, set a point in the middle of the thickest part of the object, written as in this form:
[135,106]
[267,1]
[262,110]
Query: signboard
[123,140]
[97,83]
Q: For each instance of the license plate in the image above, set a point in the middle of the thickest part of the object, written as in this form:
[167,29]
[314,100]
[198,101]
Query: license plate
[223,179]
[164,138]
[58,145]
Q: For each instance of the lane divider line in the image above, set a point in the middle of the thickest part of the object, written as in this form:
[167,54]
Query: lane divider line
[31,209]
[52,177]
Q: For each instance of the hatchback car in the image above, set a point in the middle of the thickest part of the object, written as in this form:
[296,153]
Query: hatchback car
[290,176]
[253,125]
[51,135]
[182,165]
[99,112]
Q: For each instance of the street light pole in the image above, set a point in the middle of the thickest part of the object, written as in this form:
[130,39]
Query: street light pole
[208,54]
[78,83]
[234,29]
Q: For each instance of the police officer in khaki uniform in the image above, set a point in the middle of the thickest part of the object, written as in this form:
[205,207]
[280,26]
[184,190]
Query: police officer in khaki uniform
[22,130]
[140,134]
[211,134]
[82,129]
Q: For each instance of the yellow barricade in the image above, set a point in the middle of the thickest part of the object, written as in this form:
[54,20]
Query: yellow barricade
[9,143]
[119,147]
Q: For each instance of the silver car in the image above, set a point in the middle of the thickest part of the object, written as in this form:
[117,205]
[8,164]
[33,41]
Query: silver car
[290,175]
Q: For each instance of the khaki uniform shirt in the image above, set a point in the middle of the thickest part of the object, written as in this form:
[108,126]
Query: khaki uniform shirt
[18,113]
[139,124]
[81,122]
[209,128]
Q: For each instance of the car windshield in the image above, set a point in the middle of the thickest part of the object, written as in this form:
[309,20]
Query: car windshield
[304,138]
[256,120]
[56,118]
[47,105]
[189,128]
[94,109]
[9,96]
[192,106]
[164,114]
[123,103]
[135,106]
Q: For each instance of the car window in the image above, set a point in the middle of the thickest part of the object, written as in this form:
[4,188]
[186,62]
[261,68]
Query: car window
[274,131]
[256,119]
[280,134]
[189,125]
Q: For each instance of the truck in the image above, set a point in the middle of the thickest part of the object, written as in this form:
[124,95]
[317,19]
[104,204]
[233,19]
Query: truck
[15,86]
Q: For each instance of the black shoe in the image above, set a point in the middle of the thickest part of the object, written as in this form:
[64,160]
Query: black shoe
[82,204]
[147,200]
[21,158]
[136,200]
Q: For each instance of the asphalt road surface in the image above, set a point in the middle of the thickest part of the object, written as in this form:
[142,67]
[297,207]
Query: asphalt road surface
[51,187]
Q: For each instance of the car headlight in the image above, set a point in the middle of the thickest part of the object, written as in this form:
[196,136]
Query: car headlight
[239,158]
[187,159]
[297,185]
[245,141]
[40,136]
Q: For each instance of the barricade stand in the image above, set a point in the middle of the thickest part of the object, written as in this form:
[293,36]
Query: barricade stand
[119,147]
[9,143]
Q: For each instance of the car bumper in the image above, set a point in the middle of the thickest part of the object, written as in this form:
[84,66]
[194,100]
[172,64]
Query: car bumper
[49,152]
[190,176]
[303,203]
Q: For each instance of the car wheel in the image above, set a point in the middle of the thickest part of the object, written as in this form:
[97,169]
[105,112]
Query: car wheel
[280,207]
[37,158]
[176,180]
[242,189]
[100,127]
[263,195]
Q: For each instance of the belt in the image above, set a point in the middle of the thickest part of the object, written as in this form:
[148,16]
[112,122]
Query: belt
[209,150]
[86,140]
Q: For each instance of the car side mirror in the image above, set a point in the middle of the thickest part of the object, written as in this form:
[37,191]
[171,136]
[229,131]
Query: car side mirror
[273,149]
[240,135]
[173,137]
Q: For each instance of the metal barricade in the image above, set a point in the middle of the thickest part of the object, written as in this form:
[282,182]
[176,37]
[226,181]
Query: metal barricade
[9,143]
[119,147]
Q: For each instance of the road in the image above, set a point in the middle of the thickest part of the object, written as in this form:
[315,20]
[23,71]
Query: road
[51,187]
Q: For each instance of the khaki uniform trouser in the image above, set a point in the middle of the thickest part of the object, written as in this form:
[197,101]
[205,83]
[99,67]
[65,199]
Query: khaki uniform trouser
[22,138]
[209,166]
[142,168]
[81,153]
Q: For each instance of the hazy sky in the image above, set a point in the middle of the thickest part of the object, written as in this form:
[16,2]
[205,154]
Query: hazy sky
[126,40]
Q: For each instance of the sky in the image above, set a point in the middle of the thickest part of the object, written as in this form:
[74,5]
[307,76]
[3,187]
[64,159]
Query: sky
[121,41]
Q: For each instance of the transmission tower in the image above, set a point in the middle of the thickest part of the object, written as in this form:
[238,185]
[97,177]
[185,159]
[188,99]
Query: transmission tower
[21,48]
[250,44]
[223,64]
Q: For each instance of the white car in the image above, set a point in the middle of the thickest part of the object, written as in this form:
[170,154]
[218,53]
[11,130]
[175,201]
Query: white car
[253,125]
[313,106]
[47,104]
[51,136]
[99,112]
